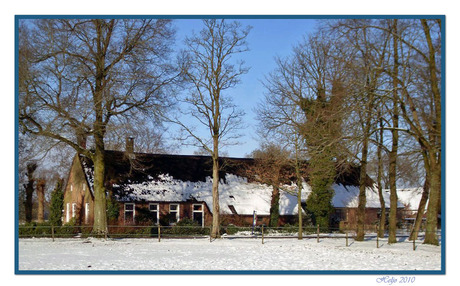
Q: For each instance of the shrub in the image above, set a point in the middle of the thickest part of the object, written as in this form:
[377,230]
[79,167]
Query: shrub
[57,204]
[187,227]
[67,230]
[33,229]
[113,210]
[231,229]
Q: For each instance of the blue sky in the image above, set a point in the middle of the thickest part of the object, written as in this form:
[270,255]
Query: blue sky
[268,38]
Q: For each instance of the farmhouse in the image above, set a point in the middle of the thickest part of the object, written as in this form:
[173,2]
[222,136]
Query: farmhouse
[164,189]
[168,188]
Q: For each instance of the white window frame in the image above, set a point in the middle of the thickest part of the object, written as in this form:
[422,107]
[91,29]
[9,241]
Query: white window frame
[133,211]
[74,210]
[67,214]
[86,212]
[200,211]
[177,211]
[157,218]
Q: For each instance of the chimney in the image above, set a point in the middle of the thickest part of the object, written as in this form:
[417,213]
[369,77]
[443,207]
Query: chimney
[130,145]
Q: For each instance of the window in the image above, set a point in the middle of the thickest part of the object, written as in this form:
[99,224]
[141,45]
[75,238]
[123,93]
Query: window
[130,213]
[74,210]
[154,210]
[173,213]
[67,214]
[198,214]
[86,212]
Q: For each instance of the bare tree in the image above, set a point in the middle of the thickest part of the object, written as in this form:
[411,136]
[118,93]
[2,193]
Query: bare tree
[304,105]
[389,71]
[426,123]
[379,139]
[377,59]
[270,165]
[393,155]
[281,118]
[412,72]
[208,68]
[77,75]
[149,133]
[420,105]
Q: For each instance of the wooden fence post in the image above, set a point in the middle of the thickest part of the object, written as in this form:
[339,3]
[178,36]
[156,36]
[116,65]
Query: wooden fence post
[346,237]
[52,232]
[377,232]
[159,233]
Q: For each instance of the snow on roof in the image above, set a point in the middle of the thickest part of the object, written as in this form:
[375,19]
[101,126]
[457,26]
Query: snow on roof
[348,197]
[88,171]
[234,191]
[410,197]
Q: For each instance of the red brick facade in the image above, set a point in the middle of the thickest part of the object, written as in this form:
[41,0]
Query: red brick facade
[346,218]
[164,213]
[78,199]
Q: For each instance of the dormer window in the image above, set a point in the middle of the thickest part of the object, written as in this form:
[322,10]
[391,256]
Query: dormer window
[232,209]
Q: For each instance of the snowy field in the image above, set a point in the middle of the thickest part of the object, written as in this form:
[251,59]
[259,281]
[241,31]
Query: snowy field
[223,254]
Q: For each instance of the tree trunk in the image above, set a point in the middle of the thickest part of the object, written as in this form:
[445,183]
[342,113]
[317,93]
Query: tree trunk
[41,200]
[100,207]
[382,222]
[434,150]
[100,201]
[421,209]
[28,204]
[361,215]
[431,236]
[392,220]
[215,230]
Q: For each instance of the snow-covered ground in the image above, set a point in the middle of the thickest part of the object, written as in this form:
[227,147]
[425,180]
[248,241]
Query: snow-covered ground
[224,254]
